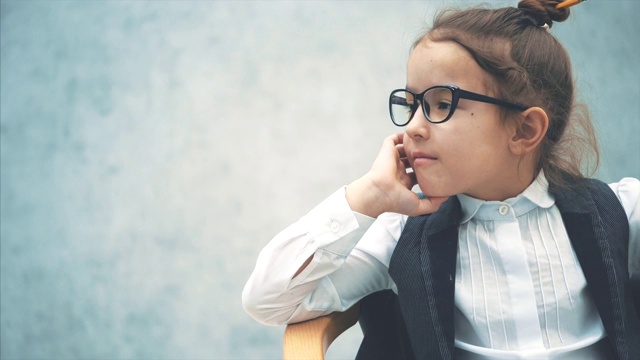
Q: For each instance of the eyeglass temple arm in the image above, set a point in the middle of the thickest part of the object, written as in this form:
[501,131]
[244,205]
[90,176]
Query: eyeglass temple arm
[473,96]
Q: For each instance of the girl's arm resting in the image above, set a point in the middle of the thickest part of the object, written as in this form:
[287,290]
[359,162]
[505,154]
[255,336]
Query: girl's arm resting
[304,266]
[281,290]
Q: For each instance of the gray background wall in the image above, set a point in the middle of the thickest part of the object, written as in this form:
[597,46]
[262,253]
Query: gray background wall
[150,149]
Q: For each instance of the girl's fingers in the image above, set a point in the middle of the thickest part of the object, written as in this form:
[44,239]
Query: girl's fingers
[401,152]
[397,138]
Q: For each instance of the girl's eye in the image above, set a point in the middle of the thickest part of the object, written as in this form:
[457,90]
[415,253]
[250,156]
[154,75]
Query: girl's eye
[444,106]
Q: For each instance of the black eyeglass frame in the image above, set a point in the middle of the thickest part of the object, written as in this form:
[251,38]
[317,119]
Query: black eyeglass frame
[456,95]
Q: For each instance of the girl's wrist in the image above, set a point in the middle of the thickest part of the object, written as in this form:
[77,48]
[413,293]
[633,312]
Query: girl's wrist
[363,198]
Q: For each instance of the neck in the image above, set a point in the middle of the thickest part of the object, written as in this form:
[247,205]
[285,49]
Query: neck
[508,186]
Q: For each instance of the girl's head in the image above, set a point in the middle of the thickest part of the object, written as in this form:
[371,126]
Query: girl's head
[522,63]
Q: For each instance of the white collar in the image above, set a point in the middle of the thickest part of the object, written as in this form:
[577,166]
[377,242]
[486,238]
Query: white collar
[536,195]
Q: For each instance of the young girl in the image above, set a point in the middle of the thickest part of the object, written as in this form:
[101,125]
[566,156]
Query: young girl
[512,253]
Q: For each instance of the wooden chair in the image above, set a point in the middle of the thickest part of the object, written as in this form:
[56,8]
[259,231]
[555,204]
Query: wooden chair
[376,315]
[310,339]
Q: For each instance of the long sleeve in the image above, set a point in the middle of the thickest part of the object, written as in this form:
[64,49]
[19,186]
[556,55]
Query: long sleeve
[350,253]
[628,192]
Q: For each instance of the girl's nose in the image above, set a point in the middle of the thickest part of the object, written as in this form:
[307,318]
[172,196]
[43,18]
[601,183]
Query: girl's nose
[419,126]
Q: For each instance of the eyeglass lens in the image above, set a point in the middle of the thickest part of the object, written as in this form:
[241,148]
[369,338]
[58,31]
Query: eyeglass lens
[437,105]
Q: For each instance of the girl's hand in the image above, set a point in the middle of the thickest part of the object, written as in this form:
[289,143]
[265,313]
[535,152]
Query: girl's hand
[387,185]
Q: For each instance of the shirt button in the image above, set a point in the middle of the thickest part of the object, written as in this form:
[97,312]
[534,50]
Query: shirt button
[503,210]
[335,226]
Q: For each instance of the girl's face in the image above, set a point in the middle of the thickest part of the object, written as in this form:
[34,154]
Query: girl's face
[470,152]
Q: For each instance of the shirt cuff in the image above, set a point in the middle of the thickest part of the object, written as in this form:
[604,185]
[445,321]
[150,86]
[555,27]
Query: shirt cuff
[336,228]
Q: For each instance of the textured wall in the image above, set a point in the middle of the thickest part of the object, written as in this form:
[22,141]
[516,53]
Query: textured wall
[150,149]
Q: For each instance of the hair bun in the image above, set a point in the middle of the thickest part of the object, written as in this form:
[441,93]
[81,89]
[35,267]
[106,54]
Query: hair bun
[543,11]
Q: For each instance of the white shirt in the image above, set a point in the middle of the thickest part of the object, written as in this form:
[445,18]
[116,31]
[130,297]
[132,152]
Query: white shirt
[520,291]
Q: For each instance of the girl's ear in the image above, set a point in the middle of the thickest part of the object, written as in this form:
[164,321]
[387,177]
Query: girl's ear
[530,131]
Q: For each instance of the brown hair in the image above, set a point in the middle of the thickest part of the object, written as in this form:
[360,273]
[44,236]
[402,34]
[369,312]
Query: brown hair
[530,67]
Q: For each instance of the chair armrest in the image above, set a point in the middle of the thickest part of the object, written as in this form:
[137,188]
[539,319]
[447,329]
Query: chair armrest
[310,339]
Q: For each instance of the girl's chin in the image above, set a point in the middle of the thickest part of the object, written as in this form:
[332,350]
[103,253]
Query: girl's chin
[431,192]
[433,188]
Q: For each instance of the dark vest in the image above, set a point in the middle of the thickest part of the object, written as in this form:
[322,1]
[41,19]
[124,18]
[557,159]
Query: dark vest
[423,268]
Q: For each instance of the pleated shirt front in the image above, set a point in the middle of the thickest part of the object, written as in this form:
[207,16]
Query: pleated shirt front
[518,281]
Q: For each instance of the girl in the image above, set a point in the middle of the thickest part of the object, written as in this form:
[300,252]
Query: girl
[512,253]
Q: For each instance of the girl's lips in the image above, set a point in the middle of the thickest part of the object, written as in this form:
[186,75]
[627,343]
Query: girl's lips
[421,158]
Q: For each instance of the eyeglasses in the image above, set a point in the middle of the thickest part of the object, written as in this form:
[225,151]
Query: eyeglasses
[438,103]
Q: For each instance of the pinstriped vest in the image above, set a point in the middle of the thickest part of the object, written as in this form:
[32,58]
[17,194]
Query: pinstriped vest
[423,268]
